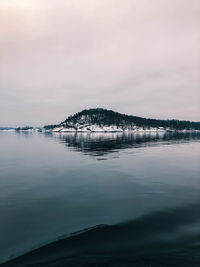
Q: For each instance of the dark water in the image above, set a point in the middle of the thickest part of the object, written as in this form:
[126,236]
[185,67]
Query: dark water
[139,195]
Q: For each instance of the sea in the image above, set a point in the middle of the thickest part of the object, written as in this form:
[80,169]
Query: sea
[99,199]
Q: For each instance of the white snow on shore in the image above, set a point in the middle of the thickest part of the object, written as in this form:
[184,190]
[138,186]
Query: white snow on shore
[105,129]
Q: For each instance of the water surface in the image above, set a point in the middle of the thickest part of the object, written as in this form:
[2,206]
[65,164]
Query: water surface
[143,189]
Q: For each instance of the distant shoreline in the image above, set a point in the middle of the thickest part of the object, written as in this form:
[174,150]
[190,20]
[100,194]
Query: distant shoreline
[100,131]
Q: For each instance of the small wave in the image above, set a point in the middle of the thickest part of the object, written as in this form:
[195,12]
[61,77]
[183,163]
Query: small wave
[158,239]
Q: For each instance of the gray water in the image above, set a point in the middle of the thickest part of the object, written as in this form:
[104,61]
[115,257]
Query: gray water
[52,185]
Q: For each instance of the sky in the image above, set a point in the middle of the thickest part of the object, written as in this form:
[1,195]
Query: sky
[139,57]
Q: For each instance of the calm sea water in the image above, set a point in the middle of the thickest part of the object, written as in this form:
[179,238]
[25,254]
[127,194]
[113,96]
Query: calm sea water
[146,188]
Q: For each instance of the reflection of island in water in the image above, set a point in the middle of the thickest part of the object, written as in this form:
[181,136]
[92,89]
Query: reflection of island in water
[100,144]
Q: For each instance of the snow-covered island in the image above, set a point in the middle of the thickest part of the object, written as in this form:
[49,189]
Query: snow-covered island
[103,120]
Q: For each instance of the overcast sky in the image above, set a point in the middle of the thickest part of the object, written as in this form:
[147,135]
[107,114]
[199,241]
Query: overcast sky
[57,57]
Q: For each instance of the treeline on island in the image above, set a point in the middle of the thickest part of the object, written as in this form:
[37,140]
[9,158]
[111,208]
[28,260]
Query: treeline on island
[104,117]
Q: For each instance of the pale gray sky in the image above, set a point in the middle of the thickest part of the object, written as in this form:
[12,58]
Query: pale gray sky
[57,57]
